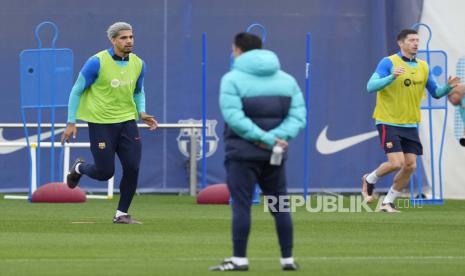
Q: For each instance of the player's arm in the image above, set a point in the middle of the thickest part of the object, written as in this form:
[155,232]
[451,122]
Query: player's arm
[233,114]
[139,93]
[383,76]
[439,91]
[86,78]
[139,100]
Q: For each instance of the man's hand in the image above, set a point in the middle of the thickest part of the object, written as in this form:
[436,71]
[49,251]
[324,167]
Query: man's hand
[453,81]
[70,130]
[284,144]
[149,120]
[398,71]
[458,88]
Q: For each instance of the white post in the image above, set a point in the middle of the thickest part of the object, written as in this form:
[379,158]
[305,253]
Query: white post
[193,165]
[34,168]
[111,184]
[66,161]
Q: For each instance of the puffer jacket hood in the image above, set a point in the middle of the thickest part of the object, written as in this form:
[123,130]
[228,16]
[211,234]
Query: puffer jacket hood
[257,62]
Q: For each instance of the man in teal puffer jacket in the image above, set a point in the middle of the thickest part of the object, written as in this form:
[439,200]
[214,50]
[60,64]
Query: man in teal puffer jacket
[263,109]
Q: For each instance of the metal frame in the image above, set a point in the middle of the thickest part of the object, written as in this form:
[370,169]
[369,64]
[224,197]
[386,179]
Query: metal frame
[66,151]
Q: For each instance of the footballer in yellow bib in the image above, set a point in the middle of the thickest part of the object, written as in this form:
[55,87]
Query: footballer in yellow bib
[399,83]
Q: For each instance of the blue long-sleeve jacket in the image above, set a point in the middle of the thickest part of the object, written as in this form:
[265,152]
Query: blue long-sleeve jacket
[259,103]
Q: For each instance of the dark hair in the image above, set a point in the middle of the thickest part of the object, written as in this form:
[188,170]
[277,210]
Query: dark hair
[247,42]
[404,33]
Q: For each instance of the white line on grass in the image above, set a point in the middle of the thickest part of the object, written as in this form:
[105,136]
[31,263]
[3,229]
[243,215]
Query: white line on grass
[264,259]
[342,258]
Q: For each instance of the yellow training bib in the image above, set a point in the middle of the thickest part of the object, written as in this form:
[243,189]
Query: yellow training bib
[399,102]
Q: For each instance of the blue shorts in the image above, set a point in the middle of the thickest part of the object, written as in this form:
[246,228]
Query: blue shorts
[399,139]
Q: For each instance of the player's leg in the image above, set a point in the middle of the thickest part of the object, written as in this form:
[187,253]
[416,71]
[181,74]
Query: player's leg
[402,177]
[391,144]
[273,184]
[401,180]
[411,146]
[129,151]
[102,138]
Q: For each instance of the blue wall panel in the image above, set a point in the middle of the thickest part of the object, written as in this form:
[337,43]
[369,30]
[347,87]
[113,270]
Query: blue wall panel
[349,38]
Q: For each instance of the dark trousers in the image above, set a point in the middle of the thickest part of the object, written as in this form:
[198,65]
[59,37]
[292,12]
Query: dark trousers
[241,179]
[124,140]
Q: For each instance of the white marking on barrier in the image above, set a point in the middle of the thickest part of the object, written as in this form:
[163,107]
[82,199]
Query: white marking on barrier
[16,197]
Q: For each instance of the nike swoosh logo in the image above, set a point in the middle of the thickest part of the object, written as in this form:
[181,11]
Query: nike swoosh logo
[326,146]
[32,138]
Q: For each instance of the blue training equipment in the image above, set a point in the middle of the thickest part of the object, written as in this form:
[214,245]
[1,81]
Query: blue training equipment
[46,76]
[437,61]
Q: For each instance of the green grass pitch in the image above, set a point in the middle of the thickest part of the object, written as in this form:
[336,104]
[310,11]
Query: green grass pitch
[179,237]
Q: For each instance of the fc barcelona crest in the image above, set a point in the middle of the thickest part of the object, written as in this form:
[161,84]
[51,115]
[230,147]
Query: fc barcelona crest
[211,138]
